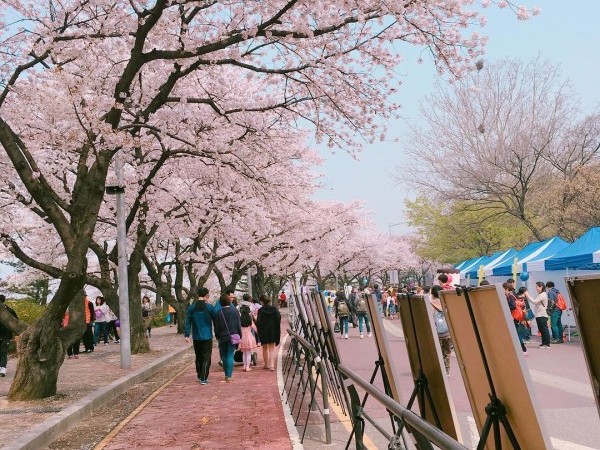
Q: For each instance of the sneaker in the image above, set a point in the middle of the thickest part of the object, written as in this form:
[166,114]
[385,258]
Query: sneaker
[106,343]
[117,341]
[346,336]
[2,371]
[369,335]
[525,354]
[362,335]
[203,382]
[558,341]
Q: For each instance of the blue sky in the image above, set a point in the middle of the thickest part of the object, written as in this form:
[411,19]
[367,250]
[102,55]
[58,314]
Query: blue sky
[566,33]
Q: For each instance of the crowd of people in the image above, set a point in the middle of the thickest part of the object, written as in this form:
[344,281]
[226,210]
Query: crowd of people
[238,328]
[101,323]
[545,308]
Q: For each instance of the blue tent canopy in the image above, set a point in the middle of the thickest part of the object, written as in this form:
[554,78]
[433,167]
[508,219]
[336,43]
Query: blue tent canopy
[584,253]
[470,264]
[533,251]
[459,266]
[489,261]
[466,264]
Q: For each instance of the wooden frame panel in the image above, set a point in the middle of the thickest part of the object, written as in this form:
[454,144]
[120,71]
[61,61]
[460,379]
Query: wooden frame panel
[506,363]
[585,297]
[425,353]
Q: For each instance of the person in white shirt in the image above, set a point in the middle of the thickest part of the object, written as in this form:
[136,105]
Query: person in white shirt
[540,303]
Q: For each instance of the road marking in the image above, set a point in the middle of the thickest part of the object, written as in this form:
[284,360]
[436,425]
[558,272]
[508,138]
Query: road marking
[564,384]
[104,442]
[289,421]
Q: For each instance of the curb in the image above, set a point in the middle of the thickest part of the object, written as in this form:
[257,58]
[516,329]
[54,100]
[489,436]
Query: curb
[46,432]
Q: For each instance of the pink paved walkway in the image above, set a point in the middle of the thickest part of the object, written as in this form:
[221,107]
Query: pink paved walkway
[246,413]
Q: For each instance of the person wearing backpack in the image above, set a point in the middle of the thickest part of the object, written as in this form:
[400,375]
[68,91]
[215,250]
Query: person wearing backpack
[516,311]
[441,326]
[352,299]
[556,304]
[362,314]
[342,311]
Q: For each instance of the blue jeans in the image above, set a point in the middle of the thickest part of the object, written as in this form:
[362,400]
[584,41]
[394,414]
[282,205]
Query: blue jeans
[343,324]
[226,350]
[101,330]
[364,318]
[556,324]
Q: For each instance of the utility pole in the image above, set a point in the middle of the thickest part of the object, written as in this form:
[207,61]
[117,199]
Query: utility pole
[125,330]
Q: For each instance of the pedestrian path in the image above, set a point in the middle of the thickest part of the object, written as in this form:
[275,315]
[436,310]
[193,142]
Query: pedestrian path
[182,414]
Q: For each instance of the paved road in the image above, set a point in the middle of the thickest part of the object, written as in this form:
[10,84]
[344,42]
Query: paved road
[561,384]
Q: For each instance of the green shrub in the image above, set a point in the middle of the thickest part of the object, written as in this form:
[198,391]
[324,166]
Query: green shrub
[159,319]
[27,310]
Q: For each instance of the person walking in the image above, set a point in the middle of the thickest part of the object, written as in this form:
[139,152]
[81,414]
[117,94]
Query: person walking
[378,297]
[172,315]
[147,311]
[72,349]
[268,324]
[352,300]
[362,314]
[342,311]
[516,311]
[227,323]
[90,316]
[540,303]
[101,312]
[555,314]
[5,337]
[112,325]
[248,343]
[199,320]
[441,326]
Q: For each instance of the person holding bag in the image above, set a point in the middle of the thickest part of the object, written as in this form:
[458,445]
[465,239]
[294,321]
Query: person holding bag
[228,329]
[441,326]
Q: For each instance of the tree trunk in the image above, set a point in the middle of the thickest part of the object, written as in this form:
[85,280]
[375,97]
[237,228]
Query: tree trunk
[139,341]
[41,355]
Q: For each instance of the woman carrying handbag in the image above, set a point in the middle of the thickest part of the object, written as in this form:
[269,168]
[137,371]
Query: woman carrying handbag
[228,329]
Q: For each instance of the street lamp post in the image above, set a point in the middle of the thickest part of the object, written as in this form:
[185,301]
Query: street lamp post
[125,329]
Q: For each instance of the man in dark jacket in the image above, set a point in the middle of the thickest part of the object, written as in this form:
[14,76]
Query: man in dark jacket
[5,337]
[198,320]
[555,314]
[268,323]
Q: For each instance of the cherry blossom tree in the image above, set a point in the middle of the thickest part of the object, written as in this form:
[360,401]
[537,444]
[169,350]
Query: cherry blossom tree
[83,80]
